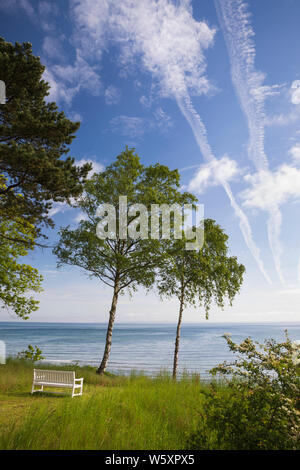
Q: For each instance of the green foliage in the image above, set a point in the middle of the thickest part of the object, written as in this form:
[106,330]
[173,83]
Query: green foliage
[33,354]
[130,261]
[261,406]
[134,412]
[120,263]
[34,140]
[17,237]
[200,277]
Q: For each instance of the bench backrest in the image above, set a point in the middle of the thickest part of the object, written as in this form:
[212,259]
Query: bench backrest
[54,376]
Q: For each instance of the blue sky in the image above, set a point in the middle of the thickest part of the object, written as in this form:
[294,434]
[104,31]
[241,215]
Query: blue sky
[209,87]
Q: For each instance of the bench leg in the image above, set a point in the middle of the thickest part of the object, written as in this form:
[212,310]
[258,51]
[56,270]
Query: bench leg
[77,394]
[41,389]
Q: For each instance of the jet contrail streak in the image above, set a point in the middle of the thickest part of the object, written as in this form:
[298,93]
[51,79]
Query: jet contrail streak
[248,82]
[200,134]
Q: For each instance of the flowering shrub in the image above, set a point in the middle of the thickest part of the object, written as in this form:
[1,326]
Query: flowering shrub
[260,406]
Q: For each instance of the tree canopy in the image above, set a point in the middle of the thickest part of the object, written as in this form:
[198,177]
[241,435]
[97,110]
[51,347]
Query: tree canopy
[117,262]
[34,141]
[200,277]
[17,237]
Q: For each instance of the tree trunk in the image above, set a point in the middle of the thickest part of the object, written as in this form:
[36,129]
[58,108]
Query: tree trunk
[112,315]
[178,337]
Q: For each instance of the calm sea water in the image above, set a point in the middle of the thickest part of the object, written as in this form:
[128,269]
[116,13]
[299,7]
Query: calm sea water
[139,347]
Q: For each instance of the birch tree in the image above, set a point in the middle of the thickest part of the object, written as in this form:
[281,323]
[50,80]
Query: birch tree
[117,262]
[198,278]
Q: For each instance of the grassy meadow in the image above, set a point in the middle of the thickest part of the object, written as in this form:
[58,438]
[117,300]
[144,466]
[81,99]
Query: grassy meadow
[115,412]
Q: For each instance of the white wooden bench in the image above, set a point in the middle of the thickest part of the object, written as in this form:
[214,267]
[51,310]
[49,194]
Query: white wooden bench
[56,378]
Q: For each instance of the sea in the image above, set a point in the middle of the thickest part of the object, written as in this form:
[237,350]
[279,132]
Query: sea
[139,348]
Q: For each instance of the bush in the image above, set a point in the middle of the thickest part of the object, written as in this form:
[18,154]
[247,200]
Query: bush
[33,354]
[260,407]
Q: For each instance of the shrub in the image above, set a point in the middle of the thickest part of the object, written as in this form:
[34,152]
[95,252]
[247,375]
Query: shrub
[33,354]
[260,407]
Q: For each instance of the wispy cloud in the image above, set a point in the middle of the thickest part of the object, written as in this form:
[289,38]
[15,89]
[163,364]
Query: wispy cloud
[292,114]
[131,126]
[16,6]
[112,95]
[252,92]
[200,133]
[170,44]
[52,47]
[162,119]
[41,13]
[136,127]
[67,80]
[249,83]
[295,92]
[75,116]
[295,153]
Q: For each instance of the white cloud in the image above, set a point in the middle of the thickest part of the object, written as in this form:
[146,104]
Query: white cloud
[269,189]
[163,120]
[91,26]
[52,47]
[14,5]
[214,173]
[79,217]
[249,84]
[112,95]
[164,39]
[59,91]
[130,126]
[68,80]
[74,116]
[295,92]
[79,76]
[41,14]
[293,113]
[145,101]
[58,207]
[168,40]
[97,167]
[283,119]
[47,12]
[295,153]
[136,127]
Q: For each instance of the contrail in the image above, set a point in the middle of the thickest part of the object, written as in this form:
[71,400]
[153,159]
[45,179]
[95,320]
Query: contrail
[170,44]
[199,130]
[248,82]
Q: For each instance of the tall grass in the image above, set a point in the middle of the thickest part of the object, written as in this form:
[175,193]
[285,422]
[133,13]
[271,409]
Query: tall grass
[114,413]
[17,374]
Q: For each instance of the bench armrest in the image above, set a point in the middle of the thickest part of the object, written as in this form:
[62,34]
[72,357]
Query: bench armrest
[79,379]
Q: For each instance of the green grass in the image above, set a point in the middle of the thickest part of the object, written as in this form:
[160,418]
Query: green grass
[115,412]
